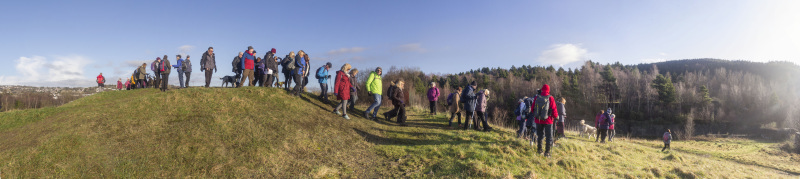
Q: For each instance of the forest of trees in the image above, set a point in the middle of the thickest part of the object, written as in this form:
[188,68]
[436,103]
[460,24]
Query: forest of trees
[702,95]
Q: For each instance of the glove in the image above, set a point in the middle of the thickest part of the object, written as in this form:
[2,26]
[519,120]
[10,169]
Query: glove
[201,69]
[329,76]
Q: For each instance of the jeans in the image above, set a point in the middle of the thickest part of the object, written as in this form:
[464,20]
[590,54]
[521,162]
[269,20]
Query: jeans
[180,78]
[521,130]
[377,104]
[324,93]
[342,105]
[188,76]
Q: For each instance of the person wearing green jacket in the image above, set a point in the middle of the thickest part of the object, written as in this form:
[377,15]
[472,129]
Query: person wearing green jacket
[374,88]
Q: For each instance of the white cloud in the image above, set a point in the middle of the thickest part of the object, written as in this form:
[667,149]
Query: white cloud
[412,47]
[38,71]
[653,60]
[346,50]
[183,50]
[662,54]
[561,54]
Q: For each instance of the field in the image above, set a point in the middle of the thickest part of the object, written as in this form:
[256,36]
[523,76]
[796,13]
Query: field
[265,133]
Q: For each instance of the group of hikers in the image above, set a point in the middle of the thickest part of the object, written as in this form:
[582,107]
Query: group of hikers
[541,117]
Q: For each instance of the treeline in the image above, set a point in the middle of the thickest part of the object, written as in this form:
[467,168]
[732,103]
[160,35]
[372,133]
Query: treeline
[698,96]
[32,100]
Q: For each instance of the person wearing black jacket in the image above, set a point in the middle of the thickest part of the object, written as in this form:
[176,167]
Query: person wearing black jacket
[287,73]
[272,68]
[470,100]
[207,63]
[397,100]
[166,68]
[237,68]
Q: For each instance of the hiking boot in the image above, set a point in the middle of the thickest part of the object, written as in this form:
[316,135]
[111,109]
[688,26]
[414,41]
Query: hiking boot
[547,151]
[539,148]
[337,113]
[346,117]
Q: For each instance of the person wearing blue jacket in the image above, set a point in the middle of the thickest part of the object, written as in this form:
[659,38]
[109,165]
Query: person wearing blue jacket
[470,100]
[299,72]
[323,77]
[180,70]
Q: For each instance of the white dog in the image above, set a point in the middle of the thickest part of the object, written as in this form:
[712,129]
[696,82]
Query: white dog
[588,130]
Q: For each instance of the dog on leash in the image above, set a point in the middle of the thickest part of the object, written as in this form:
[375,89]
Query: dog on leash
[587,129]
[228,79]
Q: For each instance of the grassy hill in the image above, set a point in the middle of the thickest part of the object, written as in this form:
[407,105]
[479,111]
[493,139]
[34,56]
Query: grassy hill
[260,132]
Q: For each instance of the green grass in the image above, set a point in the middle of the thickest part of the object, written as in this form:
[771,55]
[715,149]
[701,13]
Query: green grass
[265,133]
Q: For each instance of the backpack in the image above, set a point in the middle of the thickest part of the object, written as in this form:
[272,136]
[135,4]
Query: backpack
[288,63]
[317,74]
[450,98]
[154,66]
[666,136]
[527,102]
[136,73]
[542,107]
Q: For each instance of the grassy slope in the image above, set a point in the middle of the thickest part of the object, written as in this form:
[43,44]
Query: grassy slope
[258,132]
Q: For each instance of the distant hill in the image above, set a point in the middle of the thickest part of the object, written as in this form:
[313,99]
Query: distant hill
[768,70]
[265,133]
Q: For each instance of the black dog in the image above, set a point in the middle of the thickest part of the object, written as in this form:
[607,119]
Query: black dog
[228,79]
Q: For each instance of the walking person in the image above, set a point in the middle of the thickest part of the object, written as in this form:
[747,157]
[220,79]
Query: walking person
[455,107]
[469,99]
[397,96]
[156,68]
[248,66]
[323,77]
[178,67]
[374,89]
[299,70]
[480,109]
[207,63]
[187,70]
[433,97]
[271,63]
[389,93]
[544,112]
[237,68]
[307,70]
[521,118]
[288,70]
[165,70]
[101,80]
[354,90]
[562,114]
[667,137]
[341,88]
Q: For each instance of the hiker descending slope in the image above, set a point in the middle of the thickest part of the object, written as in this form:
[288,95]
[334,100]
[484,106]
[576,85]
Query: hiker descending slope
[341,89]
[397,96]
[354,88]
[544,112]
[323,77]
[389,93]
[374,88]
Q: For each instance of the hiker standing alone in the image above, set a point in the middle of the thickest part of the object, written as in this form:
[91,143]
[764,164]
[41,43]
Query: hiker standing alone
[101,80]
[207,63]
[433,97]
[667,139]
[544,112]
[374,88]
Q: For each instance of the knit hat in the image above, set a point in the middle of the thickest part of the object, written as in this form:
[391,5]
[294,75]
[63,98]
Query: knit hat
[158,58]
[473,83]
[273,51]
[249,47]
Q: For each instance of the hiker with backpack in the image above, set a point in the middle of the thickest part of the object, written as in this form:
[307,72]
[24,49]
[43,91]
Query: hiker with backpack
[271,69]
[307,70]
[433,97]
[354,89]
[544,112]
[142,75]
[374,89]
[187,70]
[288,68]
[323,77]
[605,123]
[178,67]
[455,106]
[248,66]
[299,71]
[480,109]
[469,99]
[101,80]
[562,114]
[597,120]
[397,96]
[165,70]
[156,68]
[341,88]
[207,63]
[667,137]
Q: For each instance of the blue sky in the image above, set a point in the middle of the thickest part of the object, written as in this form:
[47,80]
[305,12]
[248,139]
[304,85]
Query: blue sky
[67,43]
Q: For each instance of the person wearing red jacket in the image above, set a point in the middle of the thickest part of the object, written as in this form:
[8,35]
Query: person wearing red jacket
[119,84]
[248,65]
[544,127]
[341,89]
[101,80]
